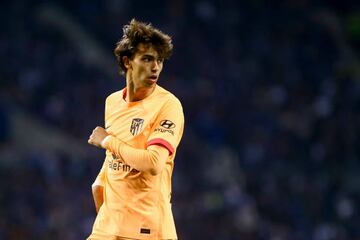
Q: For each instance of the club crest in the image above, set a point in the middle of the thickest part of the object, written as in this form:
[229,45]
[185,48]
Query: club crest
[136,126]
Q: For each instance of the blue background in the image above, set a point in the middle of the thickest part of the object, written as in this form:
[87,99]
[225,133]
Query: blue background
[271,99]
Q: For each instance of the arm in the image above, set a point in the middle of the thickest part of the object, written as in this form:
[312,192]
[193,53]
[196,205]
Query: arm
[98,188]
[150,160]
[170,119]
[97,192]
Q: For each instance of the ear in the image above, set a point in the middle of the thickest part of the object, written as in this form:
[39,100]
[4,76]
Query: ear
[127,62]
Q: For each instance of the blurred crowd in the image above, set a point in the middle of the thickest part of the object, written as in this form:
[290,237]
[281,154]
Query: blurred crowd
[270,91]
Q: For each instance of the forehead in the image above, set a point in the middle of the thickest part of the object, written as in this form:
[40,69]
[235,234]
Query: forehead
[146,49]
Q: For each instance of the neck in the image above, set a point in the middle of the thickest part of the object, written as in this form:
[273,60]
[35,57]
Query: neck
[134,93]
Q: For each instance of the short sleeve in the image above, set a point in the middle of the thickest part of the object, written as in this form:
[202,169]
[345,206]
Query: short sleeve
[168,127]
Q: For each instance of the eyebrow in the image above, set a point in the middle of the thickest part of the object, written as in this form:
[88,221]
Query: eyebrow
[152,57]
[148,55]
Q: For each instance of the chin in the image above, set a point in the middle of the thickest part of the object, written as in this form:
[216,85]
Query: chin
[150,83]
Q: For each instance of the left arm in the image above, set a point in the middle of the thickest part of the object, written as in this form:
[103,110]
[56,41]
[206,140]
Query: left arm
[150,160]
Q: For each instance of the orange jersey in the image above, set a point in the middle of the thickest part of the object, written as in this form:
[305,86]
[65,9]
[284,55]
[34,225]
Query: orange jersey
[137,204]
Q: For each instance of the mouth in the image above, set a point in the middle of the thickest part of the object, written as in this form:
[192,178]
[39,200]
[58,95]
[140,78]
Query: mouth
[153,78]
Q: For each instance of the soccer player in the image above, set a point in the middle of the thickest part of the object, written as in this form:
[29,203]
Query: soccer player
[143,127]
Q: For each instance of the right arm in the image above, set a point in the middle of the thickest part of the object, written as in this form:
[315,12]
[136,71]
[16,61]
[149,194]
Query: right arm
[98,188]
[97,192]
[99,183]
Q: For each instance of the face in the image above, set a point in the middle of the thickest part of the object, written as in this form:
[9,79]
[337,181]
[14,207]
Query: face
[145,67]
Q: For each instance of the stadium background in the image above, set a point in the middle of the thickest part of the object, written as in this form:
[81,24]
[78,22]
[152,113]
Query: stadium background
[271,98]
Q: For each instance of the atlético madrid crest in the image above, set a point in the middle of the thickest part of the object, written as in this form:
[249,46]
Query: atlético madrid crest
[136,126]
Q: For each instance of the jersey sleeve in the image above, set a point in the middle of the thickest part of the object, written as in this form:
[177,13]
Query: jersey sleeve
[168,127]
[106,112]
[100,179]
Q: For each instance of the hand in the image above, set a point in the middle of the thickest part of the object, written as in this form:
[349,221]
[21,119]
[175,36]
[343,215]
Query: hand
[97,136]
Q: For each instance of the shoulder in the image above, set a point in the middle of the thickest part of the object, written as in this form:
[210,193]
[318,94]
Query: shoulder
[114,96]
[167,97]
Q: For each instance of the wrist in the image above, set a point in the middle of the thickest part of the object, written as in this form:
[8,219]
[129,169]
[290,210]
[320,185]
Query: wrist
[105,141]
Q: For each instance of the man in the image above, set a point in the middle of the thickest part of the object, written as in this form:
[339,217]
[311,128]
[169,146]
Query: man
[144,124]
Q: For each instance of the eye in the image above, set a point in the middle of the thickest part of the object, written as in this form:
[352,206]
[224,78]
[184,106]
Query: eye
[160,60]
[146,59]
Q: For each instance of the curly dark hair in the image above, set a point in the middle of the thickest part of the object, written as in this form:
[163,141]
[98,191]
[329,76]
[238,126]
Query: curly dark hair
[138,32]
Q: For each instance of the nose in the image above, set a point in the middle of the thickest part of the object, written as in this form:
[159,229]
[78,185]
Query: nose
[155,66]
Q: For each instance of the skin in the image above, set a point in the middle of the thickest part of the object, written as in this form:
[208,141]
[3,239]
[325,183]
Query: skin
[144,65]
[143,71]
